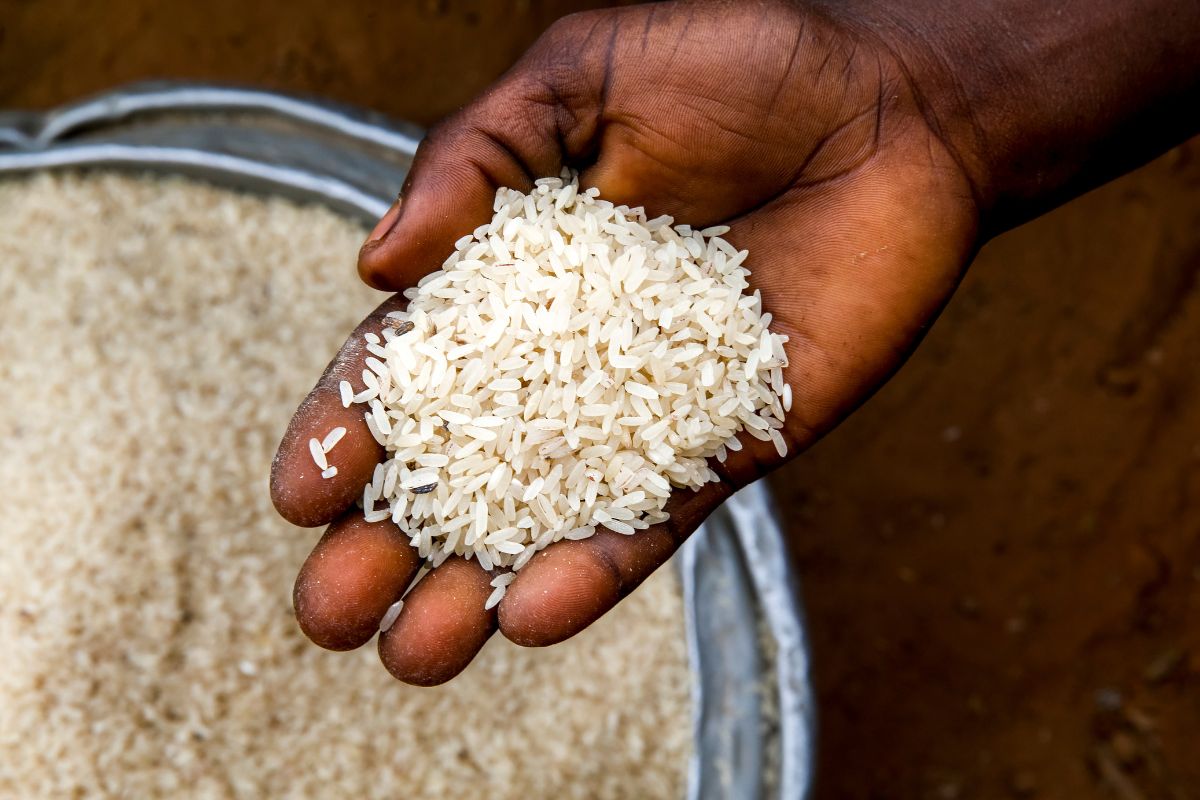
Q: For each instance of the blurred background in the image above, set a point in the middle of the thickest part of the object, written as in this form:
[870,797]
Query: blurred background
[999,551]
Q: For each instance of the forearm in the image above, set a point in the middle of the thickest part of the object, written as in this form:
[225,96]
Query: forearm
[1041,100]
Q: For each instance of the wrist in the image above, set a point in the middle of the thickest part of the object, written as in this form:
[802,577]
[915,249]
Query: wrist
[1039,102]
[962,87]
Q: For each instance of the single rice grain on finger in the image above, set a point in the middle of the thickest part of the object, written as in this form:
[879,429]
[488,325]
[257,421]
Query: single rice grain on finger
[495,597]
[318,454]
[389,617]
[332,438]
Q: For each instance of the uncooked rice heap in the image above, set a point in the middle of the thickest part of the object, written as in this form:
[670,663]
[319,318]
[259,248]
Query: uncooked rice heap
[570,364]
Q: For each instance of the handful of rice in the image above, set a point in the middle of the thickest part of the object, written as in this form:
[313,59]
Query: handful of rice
[569,366]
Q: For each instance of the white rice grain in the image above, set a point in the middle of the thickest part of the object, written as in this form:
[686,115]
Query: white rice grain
[318,454]
[389,618]
[332,438]
[495,597]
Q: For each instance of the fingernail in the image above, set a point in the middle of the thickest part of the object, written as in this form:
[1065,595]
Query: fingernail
[385,224]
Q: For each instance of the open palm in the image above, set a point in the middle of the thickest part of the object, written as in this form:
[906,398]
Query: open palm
[804,137]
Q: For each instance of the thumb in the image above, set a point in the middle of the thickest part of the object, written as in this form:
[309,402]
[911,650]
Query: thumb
[451,186]
[527,126]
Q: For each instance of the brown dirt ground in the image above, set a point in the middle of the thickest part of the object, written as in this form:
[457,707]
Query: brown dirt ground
[1000,551]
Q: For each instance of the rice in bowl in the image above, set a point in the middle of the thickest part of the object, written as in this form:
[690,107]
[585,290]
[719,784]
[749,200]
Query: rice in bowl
[157,335]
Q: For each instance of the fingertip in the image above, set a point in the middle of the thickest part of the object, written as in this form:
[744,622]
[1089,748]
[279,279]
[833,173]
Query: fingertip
[356,571]
[558,593]
[442,626]
[299,491]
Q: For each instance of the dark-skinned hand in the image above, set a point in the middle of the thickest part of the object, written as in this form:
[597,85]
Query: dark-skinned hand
[818,141]
[801,136]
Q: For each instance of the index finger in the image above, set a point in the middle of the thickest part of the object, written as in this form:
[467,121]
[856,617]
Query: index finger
[298,489]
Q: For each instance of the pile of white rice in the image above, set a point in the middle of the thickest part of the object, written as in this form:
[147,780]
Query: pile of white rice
[157,336]
[570,364]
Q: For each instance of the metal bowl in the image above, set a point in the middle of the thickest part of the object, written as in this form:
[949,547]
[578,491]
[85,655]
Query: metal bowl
[753,708]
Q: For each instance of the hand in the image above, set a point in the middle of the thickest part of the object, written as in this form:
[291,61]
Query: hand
[805,137]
